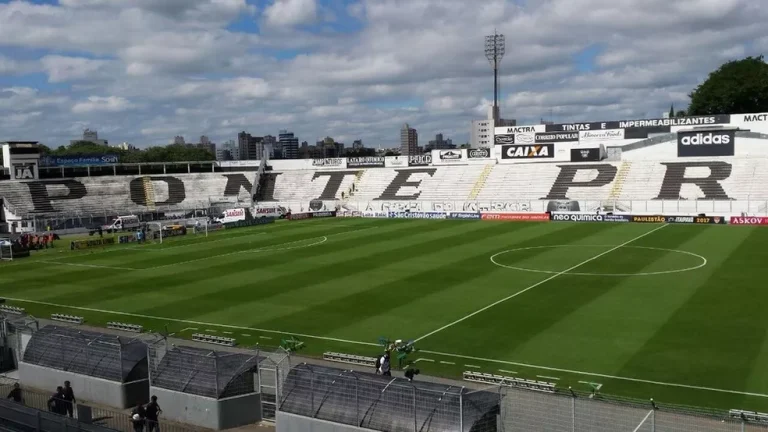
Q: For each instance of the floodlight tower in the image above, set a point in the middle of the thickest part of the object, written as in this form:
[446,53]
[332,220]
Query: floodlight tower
[494,51]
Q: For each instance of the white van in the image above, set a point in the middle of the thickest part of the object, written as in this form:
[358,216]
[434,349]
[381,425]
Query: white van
[122,223]
[231,215]
[263,212]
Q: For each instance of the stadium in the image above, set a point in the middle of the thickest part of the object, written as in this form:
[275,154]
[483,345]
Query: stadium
[570,277]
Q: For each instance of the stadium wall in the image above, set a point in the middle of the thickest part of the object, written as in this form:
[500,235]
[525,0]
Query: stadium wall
[105,392]
[209,413]
[287,422]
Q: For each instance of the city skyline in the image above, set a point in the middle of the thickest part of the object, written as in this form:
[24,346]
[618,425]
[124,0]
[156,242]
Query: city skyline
[141,73]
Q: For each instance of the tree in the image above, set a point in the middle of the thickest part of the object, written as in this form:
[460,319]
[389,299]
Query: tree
[738,86]
[671,110]
[681,113]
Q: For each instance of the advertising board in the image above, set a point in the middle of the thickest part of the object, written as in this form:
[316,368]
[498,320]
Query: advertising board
[420,160]
[365,162]
[417,215]
[92,243]
[479,153]
[706,143]
[463,215]
[748,220]
[522,217]
[538,151]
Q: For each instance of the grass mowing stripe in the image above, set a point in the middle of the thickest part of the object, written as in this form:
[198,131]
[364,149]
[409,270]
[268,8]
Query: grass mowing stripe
[236,267]
[537,284]
[572,310]
[228,326]
[593,374]
[368,257]
[377,301]
[437,353]
[739,327]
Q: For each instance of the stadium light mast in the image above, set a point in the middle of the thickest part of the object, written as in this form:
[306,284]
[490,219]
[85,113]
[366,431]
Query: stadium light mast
[494,51]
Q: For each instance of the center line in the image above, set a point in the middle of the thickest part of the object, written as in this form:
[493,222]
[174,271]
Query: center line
[542,282]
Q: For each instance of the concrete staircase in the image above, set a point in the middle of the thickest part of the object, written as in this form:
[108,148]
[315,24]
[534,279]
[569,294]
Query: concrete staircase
[149,192]
[480,183]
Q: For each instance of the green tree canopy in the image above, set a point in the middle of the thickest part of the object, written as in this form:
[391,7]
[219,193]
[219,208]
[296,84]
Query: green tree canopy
[739,86]
[171,153]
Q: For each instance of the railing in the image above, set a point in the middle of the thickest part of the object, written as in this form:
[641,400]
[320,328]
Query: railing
[34,413]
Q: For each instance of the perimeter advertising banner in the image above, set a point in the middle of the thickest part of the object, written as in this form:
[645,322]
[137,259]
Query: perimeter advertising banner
[748,220]
[365,162]
[523,217]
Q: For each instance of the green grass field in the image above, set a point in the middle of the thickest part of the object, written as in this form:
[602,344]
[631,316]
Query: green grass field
[674,312]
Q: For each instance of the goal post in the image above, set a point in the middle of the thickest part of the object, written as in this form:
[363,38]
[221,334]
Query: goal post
[6,249]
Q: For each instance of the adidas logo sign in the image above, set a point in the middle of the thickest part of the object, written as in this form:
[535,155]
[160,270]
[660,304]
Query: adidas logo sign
[705,139]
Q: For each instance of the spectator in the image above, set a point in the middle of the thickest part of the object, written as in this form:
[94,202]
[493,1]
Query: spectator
[137,417]
[69,398]
[384,368]
[56,402]
[152,412]
[15,394]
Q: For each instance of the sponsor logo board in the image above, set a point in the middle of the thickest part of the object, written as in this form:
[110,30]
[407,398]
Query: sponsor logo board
[235,212]
[463,215]
[367,161]
[504,139]
[87,244]
[645,123]
[550,137]
[249,222]
[706,143]
[479,153]
[649,219]
[323,214]
[417,215]
[525,138]
[577,217]
[299,216]
[749,118]
[374,214]
[328,162]
[696,219]
[607,134]
[585,154]
[420,160]
[450,155]
[395,161]
[749,220]
[24,171]
[538,151]
[523,217]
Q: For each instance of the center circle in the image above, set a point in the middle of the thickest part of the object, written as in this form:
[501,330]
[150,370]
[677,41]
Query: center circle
[525,269]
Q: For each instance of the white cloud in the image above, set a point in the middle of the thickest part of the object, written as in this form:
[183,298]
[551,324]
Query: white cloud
[146,70]
[109,104]
[288,13]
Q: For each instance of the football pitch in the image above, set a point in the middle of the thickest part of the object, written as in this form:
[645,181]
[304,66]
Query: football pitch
[677,313]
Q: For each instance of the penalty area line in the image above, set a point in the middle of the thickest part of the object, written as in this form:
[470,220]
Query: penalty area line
[183,321]
[537,284]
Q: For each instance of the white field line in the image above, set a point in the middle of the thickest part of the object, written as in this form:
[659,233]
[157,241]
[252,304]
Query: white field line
[473,366]
[447,362]
[548,377]
[188,328]
[507,371]
[437,353]
[599,375]
[537,284]
[643,421]
[268,248]
[198,323]
[86,265]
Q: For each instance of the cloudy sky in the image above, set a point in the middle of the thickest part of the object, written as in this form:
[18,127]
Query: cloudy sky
[143,71]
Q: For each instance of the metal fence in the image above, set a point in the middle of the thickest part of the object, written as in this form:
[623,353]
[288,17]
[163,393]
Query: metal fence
[388,404]
[201,371]
[34,413]
[273,371]
[525,410]
[88,353]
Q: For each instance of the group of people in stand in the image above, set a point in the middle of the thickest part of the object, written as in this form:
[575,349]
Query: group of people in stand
[36,241]
[62,403]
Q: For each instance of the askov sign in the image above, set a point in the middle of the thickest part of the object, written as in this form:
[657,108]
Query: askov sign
[748,220]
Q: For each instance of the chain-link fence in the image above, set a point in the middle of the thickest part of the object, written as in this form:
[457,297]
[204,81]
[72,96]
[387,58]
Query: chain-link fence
[273,370]
[387,404]
[87,353]
[36,405]
[568,411]
[200,371]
